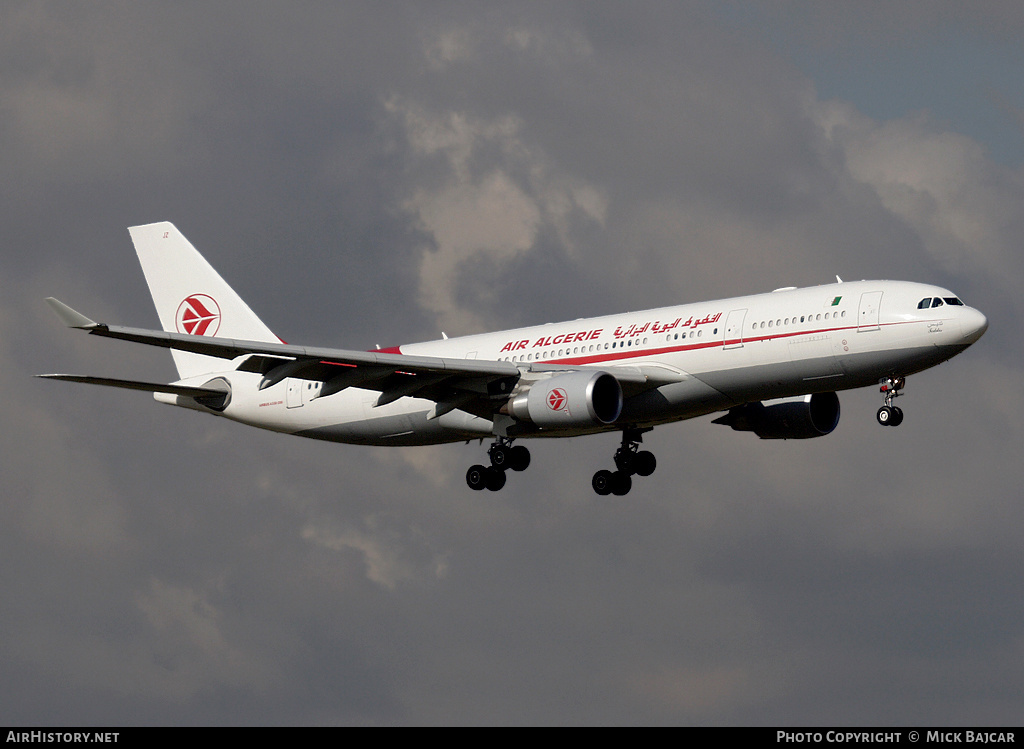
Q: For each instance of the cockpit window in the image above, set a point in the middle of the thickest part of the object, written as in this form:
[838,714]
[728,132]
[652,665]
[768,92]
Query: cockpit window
[936,302]
[925,303]
[953,301]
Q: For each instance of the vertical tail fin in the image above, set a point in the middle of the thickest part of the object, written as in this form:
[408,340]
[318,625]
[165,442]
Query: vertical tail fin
[191,297]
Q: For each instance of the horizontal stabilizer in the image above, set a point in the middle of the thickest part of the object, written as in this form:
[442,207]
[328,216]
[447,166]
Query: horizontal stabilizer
[151,387]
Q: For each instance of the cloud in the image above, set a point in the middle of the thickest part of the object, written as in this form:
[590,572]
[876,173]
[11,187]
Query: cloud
[382,168]
[73,102]
[389,557]
[964,207]
[478,212]
[191,652]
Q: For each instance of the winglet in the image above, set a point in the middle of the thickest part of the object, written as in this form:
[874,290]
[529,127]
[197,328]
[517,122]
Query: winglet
[69,317]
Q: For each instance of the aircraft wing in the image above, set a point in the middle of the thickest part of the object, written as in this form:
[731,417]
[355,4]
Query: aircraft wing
[453,383]
[468,384]
[229,348]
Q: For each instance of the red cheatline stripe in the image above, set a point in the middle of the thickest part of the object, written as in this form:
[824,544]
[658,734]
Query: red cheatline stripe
[644,353]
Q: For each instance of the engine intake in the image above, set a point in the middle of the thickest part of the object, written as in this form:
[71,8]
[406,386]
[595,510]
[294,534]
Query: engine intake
[787,418]
[575,399]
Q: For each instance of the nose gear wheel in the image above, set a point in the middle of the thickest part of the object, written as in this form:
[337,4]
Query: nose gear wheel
[890,415]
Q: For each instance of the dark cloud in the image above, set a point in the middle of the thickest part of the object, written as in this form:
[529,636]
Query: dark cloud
[367,173]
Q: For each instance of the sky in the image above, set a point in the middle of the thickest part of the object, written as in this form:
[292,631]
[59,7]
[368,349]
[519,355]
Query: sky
[371,173]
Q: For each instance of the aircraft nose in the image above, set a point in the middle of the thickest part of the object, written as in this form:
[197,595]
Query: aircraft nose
[973,324]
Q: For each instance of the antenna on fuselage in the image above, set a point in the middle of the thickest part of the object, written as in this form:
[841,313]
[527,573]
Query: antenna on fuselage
[838,278]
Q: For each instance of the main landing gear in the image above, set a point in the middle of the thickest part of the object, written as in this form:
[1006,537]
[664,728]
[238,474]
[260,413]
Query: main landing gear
[890,415]
[630,461]
[503,456]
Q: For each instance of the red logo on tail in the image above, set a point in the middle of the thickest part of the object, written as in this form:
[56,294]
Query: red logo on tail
[198,314]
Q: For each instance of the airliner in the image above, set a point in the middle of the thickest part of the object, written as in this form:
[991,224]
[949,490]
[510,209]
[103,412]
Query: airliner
[770,363]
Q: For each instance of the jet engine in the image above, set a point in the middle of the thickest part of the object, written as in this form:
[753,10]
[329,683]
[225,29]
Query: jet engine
[786,418]
[577,399]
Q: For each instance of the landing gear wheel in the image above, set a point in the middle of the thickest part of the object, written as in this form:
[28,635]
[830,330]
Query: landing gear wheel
[494,478]
[621,484]
[476,477]
[500,456]
[630,461]
[602,482]
[519,458]
[890,415]
[644,463]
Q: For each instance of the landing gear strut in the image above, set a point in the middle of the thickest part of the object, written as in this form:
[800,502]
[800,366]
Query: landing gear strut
[630,461]
[503,456]
[890,415]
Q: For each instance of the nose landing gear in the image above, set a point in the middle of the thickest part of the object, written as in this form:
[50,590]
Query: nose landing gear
[630,461]
[503,456]
[890,415]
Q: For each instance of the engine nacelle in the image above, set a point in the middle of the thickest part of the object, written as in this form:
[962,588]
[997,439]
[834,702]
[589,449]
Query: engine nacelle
[576,399]
[787,418]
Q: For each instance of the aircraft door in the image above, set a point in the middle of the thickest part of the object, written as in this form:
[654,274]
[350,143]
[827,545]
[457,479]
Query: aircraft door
[293,393]
[867,315]
[733,335]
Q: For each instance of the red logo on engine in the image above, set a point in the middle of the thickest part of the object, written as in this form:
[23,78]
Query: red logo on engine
[198,314]
[557,399]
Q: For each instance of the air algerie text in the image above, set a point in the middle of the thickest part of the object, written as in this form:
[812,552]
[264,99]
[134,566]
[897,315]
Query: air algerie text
[587,335]
[656,327]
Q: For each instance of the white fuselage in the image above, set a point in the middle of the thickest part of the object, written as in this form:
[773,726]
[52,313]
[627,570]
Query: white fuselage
[711,356]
